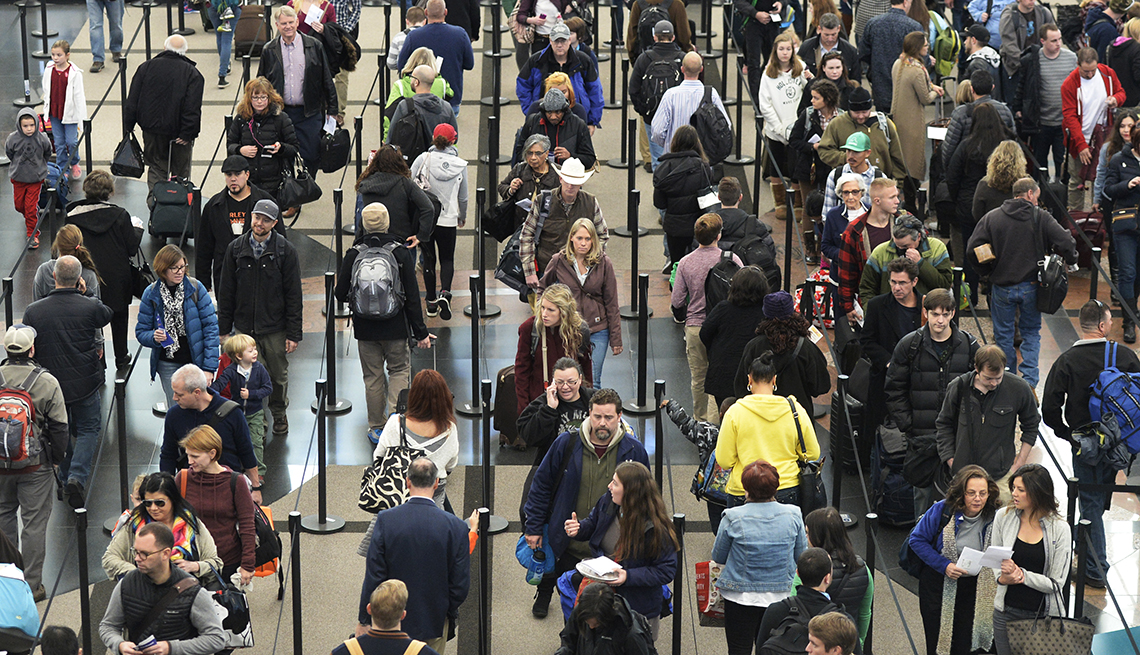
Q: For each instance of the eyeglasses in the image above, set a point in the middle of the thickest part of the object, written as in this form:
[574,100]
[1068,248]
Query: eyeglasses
[156,502]
[177,269]
[259,98]
[142,554]
[567,383]
[851,192]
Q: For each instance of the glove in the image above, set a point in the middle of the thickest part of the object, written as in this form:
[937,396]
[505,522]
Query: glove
[451,629]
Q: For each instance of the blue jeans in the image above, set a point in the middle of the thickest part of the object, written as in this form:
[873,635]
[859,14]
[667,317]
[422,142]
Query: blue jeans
[165,374]
[66,136]
[655,149]
[95,26]
[601,342]
[1093,505]
[84,418]
[1125,244]
[1006,301]
[308,135]
[225,39]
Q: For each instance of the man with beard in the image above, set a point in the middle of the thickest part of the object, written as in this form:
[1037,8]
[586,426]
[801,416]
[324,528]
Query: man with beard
[886,148]
[225,217]
[572,477]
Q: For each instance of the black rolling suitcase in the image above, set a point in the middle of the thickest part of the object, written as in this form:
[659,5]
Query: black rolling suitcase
[893,495]
[172,208]
[506,411]
[841,434]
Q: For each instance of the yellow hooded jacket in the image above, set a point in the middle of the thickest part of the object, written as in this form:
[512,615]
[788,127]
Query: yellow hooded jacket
[760,426]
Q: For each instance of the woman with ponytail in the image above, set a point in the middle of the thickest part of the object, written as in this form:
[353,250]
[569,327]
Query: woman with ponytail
[68,241]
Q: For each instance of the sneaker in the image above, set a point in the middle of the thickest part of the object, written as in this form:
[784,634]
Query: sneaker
[35,243]
[445,305]
[667,269]
[1095,583]
[374,436]
[541,605]
[226,14]
[116,56]
[76,172]
[39,594]
[73,491]
[281,424]
[433,308]
[97,66]
[222,82]
[225,27]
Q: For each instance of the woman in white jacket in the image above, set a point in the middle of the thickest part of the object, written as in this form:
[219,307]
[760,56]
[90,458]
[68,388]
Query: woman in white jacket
[781,88]
[442,175]
[67,109]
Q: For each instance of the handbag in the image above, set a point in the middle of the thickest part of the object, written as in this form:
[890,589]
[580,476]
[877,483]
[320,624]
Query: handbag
[813,495]
[141,274]
[383,485]
[128,158]
[232,608]
[336,149]
[297,186]
[710,604]
[523,33]
[1124,220]
[509,270]
[1047,635]
[1052,275]
[920,463]
[498,222]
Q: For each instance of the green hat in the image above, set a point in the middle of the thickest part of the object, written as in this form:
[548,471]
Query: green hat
[857,142]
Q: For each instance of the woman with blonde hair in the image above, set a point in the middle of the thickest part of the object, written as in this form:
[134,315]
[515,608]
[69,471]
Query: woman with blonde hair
[778,99]
[68,241]
[263,134]
[1123,55]
[1005,166]
[589,274]
[402,88]
[555,331]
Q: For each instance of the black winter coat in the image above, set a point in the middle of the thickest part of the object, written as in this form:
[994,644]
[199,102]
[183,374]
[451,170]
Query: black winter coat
[465,14]
[409,209]
[389,329]
[915,389]
[967,168]
[627,634]
[166,97]
[806,126]
[1121,169]
[112,240]
[1027,100]
[265,168]
[318,91]
[215,234]
[727,329]
[260,296]
[802,379]
[572,134]
[678,181]
[66,322]
[1125,60]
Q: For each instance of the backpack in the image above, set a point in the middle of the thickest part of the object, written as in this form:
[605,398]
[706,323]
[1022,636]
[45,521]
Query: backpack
[19,445]
[759,250]
[377,288]
[650,15]
[719,279]
[947,44]
[791,635]
[713,129]
[663,73]
[410,132]
[909,560]
[1118,393]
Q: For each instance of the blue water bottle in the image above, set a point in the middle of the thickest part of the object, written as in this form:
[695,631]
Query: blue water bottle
[537,567]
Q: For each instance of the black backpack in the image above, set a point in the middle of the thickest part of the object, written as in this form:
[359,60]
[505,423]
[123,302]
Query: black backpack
[713,129]
[650,16]
[760,251]
[791,636]
[662,74]
[410,132]
[719,280]
[336,149]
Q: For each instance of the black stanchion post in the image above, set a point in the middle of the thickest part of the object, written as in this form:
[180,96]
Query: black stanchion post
[496,54]
[479,299]
[596,35]
[182,29]
[8,317]
[709,34]
[615,101]
[632,310]
[295,577]
[642,406]
[678,581]
[43,33]
[837,461]
[170,16]
[497,523]
[246,64]
[1082,562]
[1093,290]
[740,159]
[629,163]
[959,273]
[121,430]
[331,404]
[788,234]
[322,522]
[146,33]
[725,99]
[484,581]
[387,34]
[358,125]
[473,407]
[84,576]
[871,526]
[1072,489]
[658,431]
[26,101]
[759,170]
[87,143]
[123,91]
[629,134]
[340,310]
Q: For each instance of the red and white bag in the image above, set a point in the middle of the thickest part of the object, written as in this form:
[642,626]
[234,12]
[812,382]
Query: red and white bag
[710,604]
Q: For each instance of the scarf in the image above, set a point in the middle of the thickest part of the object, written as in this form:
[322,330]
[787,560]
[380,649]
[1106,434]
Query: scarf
[983,627]
[172,314]
[185,536]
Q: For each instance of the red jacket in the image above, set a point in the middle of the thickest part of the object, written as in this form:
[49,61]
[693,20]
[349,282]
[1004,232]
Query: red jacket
[1072,108]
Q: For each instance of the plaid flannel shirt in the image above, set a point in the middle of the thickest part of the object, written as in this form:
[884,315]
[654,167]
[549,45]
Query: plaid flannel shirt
[347,13]
[528,243]
[852,259]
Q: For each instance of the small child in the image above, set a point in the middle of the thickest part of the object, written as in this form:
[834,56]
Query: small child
[249,383]
[59,640]
[29,151]
[65,106]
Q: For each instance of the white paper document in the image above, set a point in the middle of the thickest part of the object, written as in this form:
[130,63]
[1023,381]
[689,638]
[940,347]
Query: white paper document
[313,15]
[814,139]
[599,567]
[330,125]
[975,560]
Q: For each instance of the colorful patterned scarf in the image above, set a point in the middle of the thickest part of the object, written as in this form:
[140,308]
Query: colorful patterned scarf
[185,536]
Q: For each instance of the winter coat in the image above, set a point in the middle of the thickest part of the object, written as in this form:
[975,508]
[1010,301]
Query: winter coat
[1013,36]
[778,102]
[1010,232]
[803,379]
[200,319]
[879,47]
[625,634]
[916,387]
[851,590]
[571,134]
[112,240]
[1027,99]
[318,92]
[962,122]
[411,321]
[809,53]
[166,97]
[75,105]
[410,212]
[532,185]
[1121,169]
[966,169]
[581,70]
[677,15]
[1068,387]
[529,383]
[833,226]
[987,199]
[597,297]
[402,88]
[727,329]
[736,224]
[926,538]
[261,295]
[1123,56]
[808,125]
[28,155]
[215,232]
[679,179]
[981,431]
[644,575]
[912,92]
[935,270]
[65,322]
[431,109]
[886,148]
[265,169]
[1072,107]
[988,59]
[446,176]
[1100,29]
[258,385]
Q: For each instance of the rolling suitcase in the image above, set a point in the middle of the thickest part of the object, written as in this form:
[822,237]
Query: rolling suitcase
[840,435]
[1092,224]
[172,208]
[893,495]
[506,411]
[251,32]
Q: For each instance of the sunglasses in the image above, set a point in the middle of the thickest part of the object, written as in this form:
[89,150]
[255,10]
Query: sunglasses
[154,502]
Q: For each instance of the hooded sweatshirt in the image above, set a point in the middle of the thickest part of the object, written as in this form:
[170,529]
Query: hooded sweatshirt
[29,154]
[986,54]
[431,109]
[597,471]
[1010,231]
[446,177]
[1101,30]
[779,101]
[1123,56]
[760,426]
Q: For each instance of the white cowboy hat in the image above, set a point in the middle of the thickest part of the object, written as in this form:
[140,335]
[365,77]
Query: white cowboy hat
[573,171]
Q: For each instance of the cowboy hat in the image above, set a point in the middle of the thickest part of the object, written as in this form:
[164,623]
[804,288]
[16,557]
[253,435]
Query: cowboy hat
[573,171]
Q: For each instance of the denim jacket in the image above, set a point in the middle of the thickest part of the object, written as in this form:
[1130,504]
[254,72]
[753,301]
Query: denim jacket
[759,543]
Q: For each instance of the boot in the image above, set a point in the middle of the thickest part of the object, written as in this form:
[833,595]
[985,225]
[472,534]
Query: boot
[798,203]
[1129,325]
[780,200]
[811,249]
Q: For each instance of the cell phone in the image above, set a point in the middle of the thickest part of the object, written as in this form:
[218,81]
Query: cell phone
[542,16]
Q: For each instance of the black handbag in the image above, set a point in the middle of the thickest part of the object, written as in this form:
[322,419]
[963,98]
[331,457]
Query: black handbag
[297,187]
[128,158]
[232,608]
[510,270]
[920,463]
[1052,275]
[498,222]
[141,274]
[813,495]
[336,148]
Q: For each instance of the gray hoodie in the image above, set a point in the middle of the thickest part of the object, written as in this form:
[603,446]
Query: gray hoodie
[29,154]
[433,111]
[444,175]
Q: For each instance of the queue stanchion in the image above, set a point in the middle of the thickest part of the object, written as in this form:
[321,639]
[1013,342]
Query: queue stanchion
[706,19]
[958,274]
[246,66]
[629,147]
[331,404]
[633,310]
[1072,486]
[642,406]
[182,29]
[624,161]
[479,299]
[658,431]
[123,92]
[358,125]
[788,235]
[146,32]
[121,430]
[615,102]
[295,578]
[493,158]
[678,581]
[84,579]
[1093,290]
[8,317]
[1081,578]
[496,55]
[602,56]
[382,62]
[497,524]
[871,526]
[472,407]
[484,581]
[26,101]
[758,173]
[340,310]
[170,17]
[43,33]
[725,99]
[836,460]
[495,29]
[87,144]
[740,159]
[705,27]
[322,522]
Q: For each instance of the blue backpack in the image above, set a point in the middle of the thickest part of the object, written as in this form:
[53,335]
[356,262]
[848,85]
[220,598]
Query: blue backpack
[18,616]
[1118,393]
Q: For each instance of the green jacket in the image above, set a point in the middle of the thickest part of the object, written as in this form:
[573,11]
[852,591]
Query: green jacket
[886,148]
[934,272]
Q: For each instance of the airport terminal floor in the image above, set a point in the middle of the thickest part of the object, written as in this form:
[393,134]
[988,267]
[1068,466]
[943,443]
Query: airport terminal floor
[330,569]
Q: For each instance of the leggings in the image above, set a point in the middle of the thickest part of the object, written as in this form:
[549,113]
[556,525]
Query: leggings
[443,241]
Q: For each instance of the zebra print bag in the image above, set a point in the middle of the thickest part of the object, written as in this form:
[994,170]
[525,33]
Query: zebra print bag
[383,485]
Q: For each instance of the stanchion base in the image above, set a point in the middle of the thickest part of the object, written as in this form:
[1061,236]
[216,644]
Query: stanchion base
[849,520]
[144,3]
[4,161]
[612,105]
[374,3]
[489,101]
[488,29]
[488,311]
[22,102]
[40,54]
[341,312]
[497,524]
[632,407]
[703,35]
[819,411]
[631,313]
[38,34]
[313,525]
[185,31]
[623,231]
[711,54]
[335,408]
[620,163]
[503,53]
[503,159]
[603,56]
[740,161]
[377,101]
[159,409]
[728,102]
[109,524]
[470,408]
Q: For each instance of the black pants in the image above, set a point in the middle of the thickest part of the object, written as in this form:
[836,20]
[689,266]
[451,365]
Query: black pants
[119,321]
[565,563]
[741,626]
[758,40]
[679,246]
[715,514]
[443,244]
[930,607]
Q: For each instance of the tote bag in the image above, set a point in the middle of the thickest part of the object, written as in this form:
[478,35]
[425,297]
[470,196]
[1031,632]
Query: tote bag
[383,485]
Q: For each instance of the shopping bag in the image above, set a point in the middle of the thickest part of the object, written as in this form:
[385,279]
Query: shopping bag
[128,158]
[710,604]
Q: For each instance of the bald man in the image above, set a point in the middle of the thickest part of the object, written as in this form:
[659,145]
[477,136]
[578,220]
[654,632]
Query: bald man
[429,106]
[451,43]
[679,103]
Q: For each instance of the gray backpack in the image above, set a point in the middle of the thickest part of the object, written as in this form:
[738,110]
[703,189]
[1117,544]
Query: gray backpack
[377,289]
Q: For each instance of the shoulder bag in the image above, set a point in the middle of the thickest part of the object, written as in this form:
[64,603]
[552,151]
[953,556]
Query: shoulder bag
[813,495]
[1046,635]
[297,186]
[383,485]
[232,609]
[1052,276]
[128,158]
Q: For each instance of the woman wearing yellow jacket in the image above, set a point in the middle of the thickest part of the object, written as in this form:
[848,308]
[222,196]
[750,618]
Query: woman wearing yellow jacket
[762,425]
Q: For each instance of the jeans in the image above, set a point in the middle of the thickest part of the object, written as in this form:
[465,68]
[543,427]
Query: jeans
[601,342]
[1050,138]
[66,136]
[655,149]
[1001,634]
[1093,504]
[1125,244]
[308,135]
[95,26]
[741,626]
[32,495]
[1006,301]
[225,39]
[165,374]
[84,417]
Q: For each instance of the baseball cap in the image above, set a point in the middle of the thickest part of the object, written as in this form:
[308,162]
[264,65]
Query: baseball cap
[19,338]
[235,164]
[857,142]
[977,31]
[663,28]
[447,131]
[266,208]
[560,32]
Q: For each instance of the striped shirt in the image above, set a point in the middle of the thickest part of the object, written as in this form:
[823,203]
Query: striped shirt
[1053,74]
[293,67]
[677,106]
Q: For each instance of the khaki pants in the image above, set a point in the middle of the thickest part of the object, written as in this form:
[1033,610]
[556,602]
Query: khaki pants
[642,140]
[440,643]
[1076,196]
[382,392]
[341,83]
[271,353]
[704,406]
[1003,487]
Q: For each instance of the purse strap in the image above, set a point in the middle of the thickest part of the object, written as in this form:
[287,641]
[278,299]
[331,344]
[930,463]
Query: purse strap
[799,432]
[545,363]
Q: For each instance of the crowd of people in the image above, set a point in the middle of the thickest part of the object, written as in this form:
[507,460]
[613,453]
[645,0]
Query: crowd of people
[843,101]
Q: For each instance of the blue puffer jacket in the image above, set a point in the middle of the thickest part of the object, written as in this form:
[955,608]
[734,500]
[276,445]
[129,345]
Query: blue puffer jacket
[926,537]
[201,324]
[581,70]
[644,576]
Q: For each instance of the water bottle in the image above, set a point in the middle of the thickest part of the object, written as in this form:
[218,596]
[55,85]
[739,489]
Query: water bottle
[537,567]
